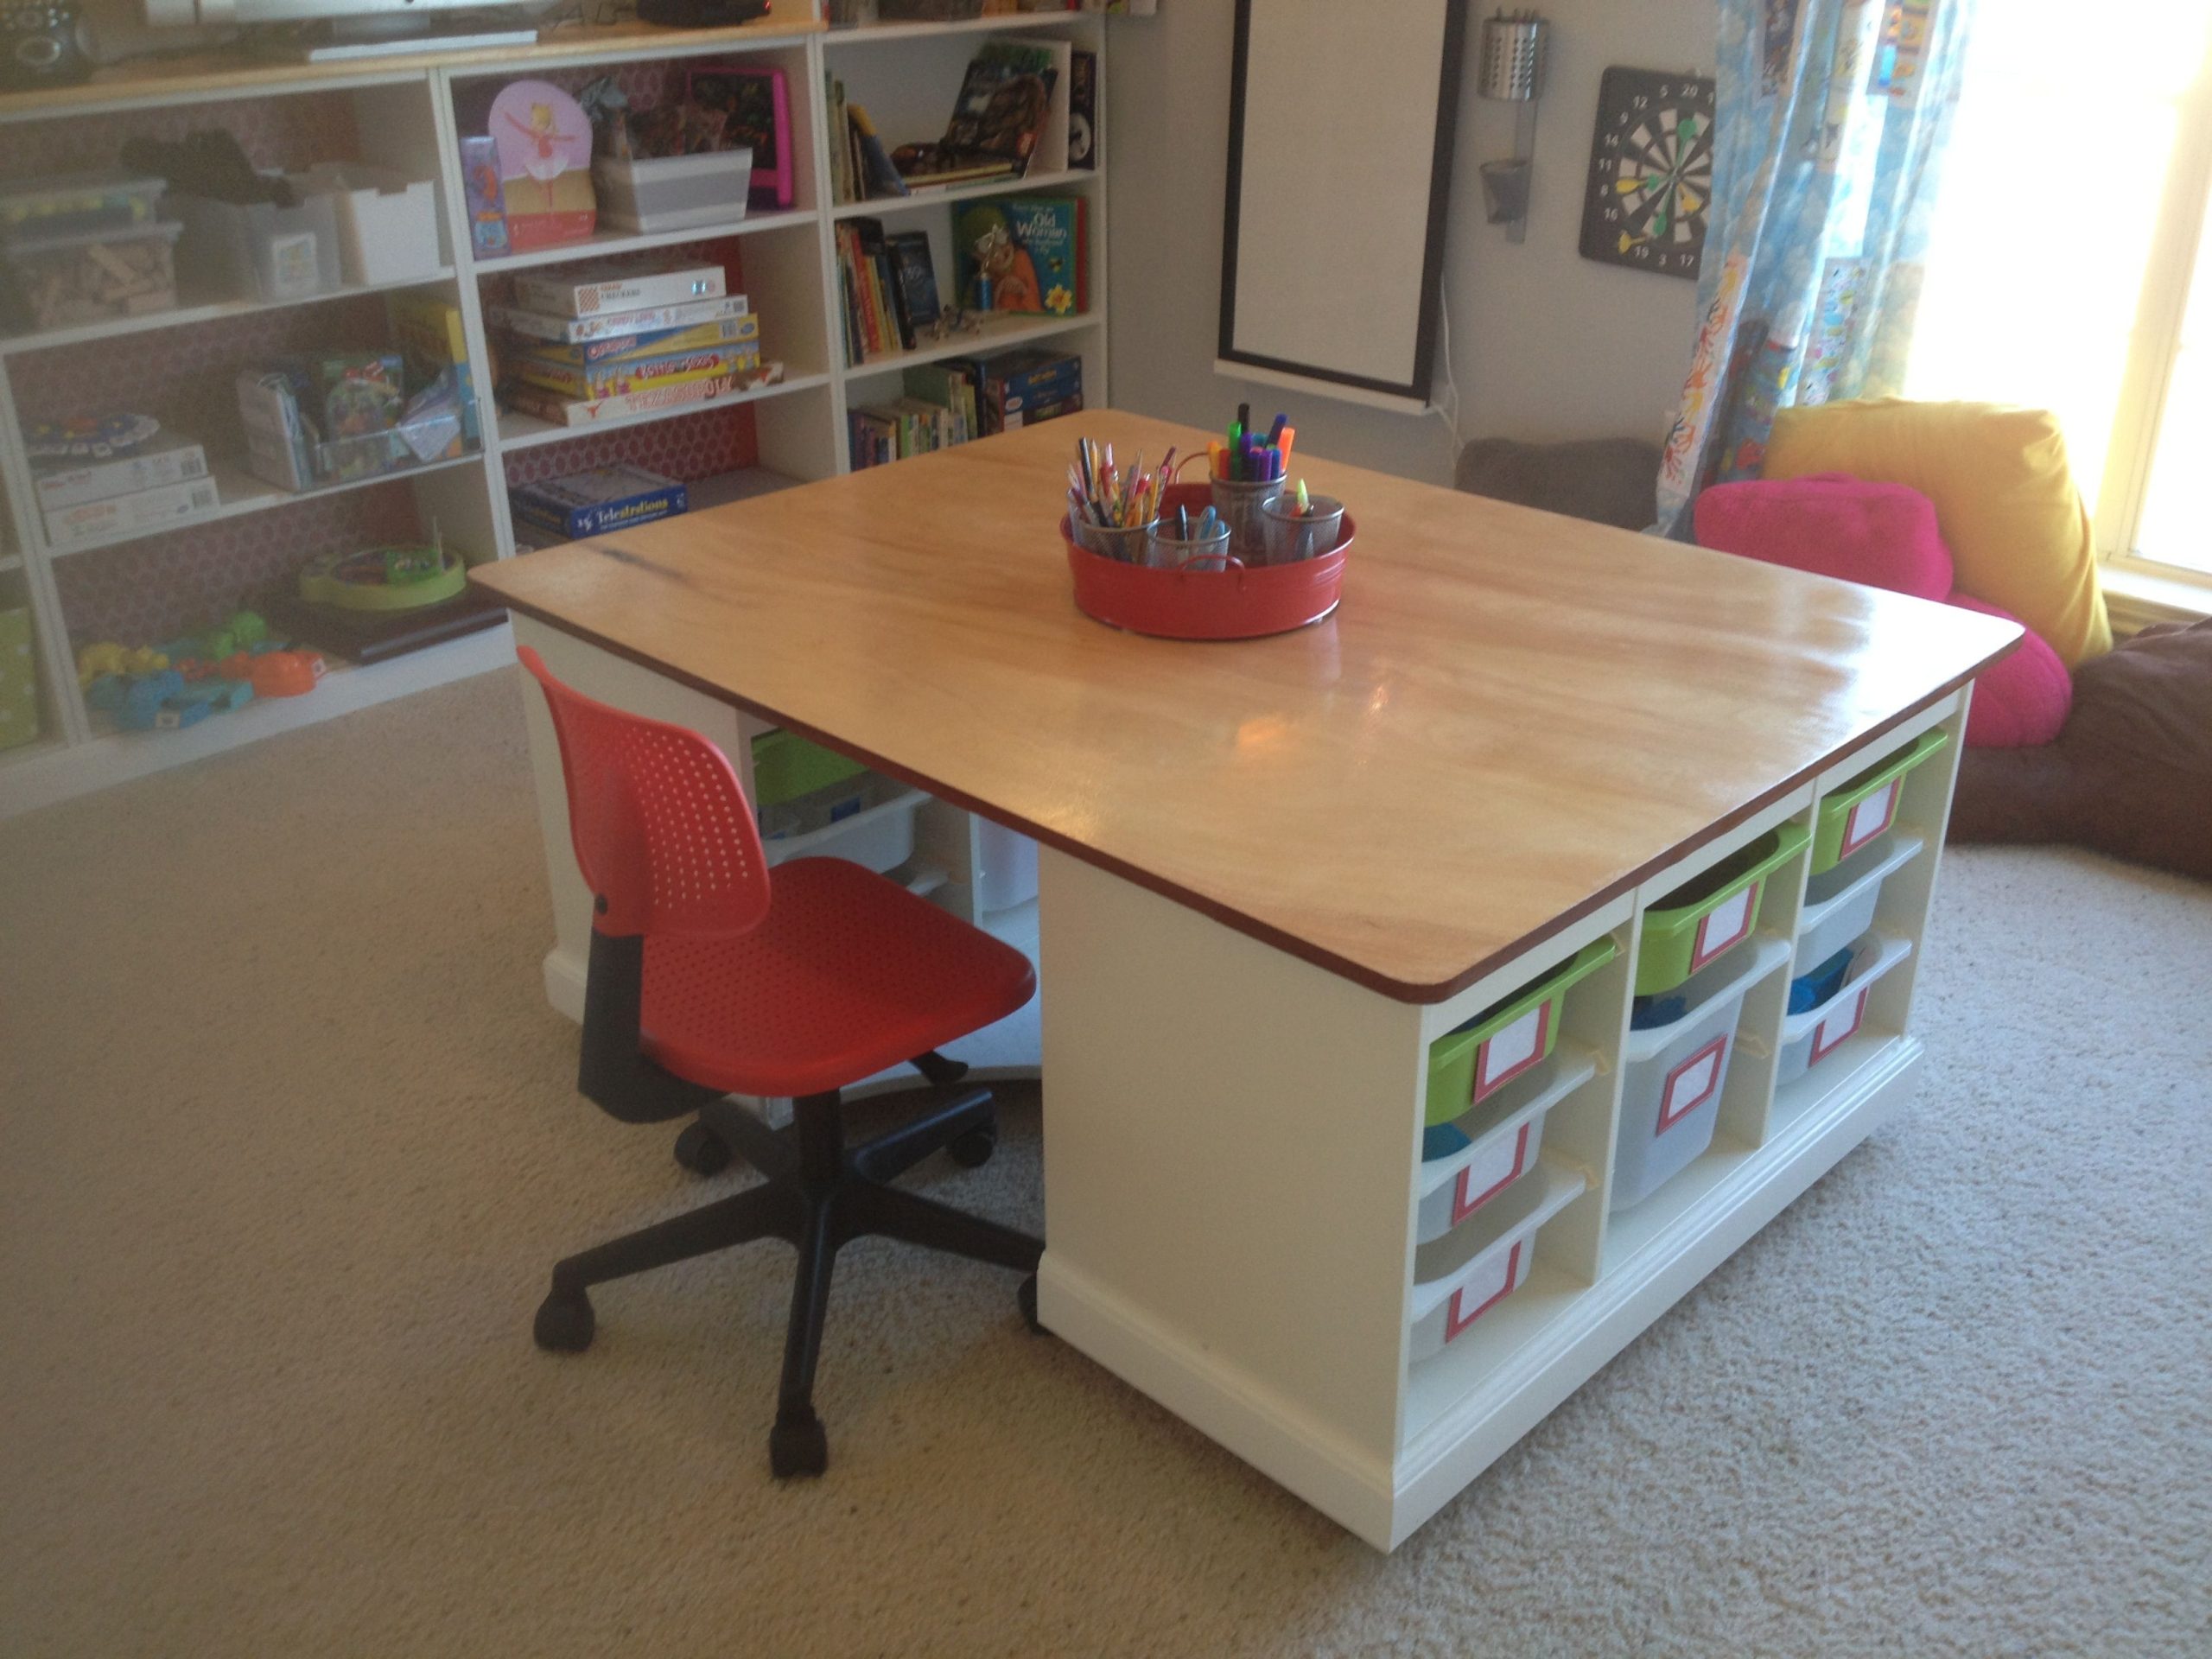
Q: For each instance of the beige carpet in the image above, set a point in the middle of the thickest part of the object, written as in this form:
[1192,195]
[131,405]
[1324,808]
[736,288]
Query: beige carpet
[288,1142]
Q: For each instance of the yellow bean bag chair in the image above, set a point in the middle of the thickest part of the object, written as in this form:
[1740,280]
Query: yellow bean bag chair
[2005,500]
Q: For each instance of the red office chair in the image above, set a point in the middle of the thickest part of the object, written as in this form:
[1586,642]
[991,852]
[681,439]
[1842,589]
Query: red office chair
[706,980]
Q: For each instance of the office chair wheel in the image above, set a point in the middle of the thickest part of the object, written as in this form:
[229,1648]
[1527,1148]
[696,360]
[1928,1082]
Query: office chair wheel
[797,1446]
[564,1323]
[1026,1299]
[973,1149]
[702,1151]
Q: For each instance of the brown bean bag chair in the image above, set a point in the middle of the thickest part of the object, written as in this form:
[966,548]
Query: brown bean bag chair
[2131,774]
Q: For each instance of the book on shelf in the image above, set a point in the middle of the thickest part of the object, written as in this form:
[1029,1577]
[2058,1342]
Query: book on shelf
[913,281]
[595,291]
[950,387]
[598,380]
[1021,388]
[1012,102]
[876,177]
[1034,249]
[1082,110]
[540,325]
[878,321]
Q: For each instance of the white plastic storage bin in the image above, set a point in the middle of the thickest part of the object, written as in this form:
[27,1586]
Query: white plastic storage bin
[1840,904]
[674,194]
[880,833]
[1672,1076]
[1809,1037]
[1504,1135]
[1006,868]
[387,222]
[1472,1269]
[257,251]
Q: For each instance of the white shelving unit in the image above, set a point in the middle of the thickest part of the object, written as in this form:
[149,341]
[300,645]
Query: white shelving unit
[403,114]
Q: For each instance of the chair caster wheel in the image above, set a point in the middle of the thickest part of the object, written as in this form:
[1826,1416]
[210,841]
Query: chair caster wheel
[797,1446]
[702,1151]
[564,1323]
[1026,1297]
[972,1149]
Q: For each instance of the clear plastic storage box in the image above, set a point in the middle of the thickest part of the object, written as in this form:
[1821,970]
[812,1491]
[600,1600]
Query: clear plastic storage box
[67,279]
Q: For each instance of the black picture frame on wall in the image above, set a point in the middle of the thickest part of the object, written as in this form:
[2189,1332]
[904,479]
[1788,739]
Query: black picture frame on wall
[1355,270]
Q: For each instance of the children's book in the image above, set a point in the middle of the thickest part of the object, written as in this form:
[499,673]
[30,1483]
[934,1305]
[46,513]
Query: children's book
[913,281]
[1006,103]
[1032,248]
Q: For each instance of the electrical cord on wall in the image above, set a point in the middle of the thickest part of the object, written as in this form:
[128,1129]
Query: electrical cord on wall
[1447,408]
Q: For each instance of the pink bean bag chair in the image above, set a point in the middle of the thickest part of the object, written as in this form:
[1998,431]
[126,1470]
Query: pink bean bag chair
[1885,535]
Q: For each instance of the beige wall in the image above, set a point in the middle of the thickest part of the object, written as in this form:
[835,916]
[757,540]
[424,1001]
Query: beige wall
[1545,344]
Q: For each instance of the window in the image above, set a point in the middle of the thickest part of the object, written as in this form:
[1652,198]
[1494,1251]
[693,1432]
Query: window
[2070,261]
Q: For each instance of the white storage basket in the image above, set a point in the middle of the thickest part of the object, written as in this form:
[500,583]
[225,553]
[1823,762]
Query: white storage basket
[1506,1134]
[1470,1270]
[1840,904]
[1672,1075]
[676,193]
[1809,1037]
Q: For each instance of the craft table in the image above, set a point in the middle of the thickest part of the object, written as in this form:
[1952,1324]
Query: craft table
[1273,872]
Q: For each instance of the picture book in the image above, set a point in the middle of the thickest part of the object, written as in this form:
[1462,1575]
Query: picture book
[913,275]
[1031,249]
[998,119]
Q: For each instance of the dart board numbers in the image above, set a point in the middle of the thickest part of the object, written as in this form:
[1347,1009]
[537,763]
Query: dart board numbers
[1651,172]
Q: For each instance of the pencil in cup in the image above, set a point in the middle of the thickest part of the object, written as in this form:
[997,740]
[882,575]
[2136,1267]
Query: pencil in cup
[1239,501]
[1289,537]
[1124,542]
[1202,549]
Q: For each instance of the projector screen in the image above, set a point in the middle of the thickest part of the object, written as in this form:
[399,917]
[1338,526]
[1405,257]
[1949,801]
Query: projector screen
[1340,125]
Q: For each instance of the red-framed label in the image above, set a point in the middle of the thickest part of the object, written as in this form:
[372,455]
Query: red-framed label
[1726,923]
[1869,818]
[1837,1026]
[1506,1054]
[1455,1320]
[1693,1083]
[1465,1203]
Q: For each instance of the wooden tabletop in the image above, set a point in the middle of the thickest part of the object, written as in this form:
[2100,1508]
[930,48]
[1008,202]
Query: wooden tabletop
[1512,717]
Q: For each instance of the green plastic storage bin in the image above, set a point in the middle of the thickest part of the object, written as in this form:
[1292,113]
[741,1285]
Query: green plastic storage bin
[1865,807]
[1711,913]
[785,766]
[1506,1038]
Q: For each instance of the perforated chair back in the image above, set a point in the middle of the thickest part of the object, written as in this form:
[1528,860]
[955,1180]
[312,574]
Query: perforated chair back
[661,828]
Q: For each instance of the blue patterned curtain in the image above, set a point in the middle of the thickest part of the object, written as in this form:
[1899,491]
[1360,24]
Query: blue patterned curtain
[1830,120]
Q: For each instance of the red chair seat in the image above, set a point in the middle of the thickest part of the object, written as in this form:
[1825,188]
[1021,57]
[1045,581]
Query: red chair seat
[849,974]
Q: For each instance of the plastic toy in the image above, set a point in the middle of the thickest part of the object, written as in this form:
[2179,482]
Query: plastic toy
[108,657]
[397,578]
[287,673]
[158,702]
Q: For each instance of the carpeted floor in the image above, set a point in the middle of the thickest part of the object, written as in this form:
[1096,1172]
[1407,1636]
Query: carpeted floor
[288,1141]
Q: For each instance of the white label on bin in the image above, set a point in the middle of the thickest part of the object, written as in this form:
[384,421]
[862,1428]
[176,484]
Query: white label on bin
[1513,1050]
[1838,1025]
[1693,1083]
[1870,818]
[1724,924]
[1483,1180]
[1490,1291]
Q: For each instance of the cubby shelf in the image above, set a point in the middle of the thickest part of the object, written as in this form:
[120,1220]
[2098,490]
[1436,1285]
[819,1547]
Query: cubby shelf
[405,114]
[988,337]
[217,311]
[609,242]
[885,207]
[520,431]
[241,493]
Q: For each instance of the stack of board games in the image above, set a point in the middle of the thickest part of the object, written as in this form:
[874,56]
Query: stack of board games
[117,476]
[592,503]
[593,345]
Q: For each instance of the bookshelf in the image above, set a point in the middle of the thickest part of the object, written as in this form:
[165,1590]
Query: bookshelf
[401,113]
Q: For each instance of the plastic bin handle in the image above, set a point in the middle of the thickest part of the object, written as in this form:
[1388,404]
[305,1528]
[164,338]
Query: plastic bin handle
[1929,742]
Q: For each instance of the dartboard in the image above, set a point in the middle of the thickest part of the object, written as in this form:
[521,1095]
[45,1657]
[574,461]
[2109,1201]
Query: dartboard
[1651,171]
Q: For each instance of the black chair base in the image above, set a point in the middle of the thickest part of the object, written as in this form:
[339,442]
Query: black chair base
[818,1196]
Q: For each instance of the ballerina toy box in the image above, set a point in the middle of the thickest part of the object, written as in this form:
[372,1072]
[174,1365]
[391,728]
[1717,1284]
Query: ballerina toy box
[544,151]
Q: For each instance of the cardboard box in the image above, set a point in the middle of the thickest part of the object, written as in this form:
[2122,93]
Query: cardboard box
[593,503]
[539,325]
[168,459]
[597,289]
[133,514]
